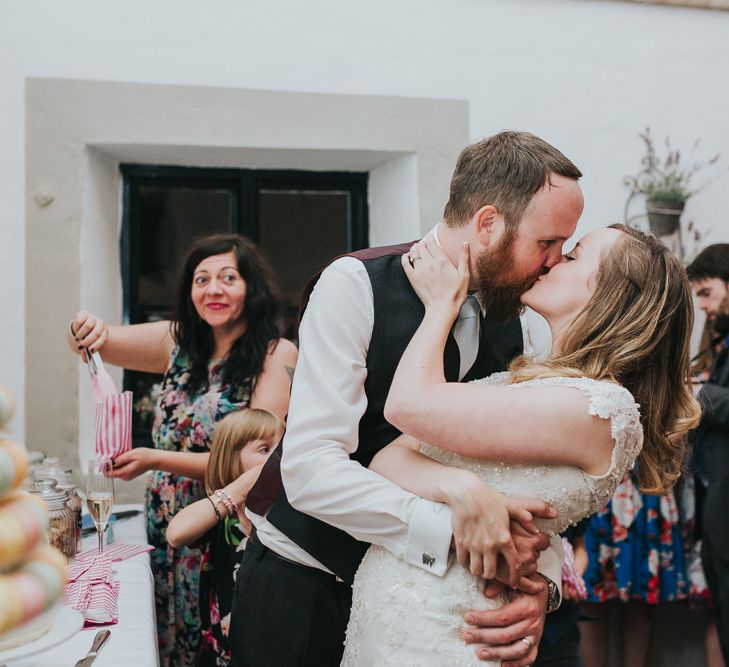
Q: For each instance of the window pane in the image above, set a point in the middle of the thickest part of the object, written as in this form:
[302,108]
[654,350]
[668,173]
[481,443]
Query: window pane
[169,220]
[300,232]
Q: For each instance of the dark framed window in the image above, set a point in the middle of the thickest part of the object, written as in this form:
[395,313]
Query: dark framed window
[299,219]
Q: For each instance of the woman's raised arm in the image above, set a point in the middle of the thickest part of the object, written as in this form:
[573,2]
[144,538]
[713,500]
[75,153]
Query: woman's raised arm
[139,347]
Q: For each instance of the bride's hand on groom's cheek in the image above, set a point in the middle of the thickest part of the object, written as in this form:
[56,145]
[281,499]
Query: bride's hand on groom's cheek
[433,278]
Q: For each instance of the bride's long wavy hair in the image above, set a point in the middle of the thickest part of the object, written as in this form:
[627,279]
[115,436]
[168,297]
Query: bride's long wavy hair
[635,331]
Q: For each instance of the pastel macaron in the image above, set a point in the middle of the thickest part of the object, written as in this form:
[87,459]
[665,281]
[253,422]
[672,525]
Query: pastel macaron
[23,524]
[13,466]
[32,588]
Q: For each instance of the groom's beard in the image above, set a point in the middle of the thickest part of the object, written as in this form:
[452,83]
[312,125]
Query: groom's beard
[501,283]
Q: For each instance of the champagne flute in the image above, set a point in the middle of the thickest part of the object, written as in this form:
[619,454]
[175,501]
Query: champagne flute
[99,495]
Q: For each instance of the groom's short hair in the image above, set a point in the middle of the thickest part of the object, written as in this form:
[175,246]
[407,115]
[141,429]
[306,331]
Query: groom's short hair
[506,171]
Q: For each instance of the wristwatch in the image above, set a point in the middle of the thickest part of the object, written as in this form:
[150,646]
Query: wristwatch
[553,596]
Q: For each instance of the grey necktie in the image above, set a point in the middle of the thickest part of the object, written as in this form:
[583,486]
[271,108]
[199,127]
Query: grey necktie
[466,333]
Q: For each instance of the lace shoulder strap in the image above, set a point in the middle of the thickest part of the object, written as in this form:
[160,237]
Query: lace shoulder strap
[498,378]
[608,400]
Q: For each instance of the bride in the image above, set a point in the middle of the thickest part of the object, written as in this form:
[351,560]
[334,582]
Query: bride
[564,430]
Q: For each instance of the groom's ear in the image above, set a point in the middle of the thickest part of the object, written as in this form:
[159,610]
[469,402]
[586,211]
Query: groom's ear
[486,221]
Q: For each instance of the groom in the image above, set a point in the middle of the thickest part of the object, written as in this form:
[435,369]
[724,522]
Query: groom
[316,507]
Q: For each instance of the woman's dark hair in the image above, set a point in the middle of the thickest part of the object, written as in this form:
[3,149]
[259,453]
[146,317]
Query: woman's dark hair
[195,337]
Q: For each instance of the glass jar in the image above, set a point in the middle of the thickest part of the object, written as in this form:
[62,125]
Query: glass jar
[55,468]
[75,504]
[61,519]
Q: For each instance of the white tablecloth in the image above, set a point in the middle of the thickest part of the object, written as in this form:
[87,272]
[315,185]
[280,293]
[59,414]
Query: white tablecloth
[133,641]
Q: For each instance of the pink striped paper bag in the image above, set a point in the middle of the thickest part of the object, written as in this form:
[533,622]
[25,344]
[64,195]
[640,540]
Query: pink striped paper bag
[114,425]
[113,433]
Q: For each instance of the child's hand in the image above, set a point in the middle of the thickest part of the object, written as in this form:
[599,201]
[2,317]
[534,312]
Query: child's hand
[239,489]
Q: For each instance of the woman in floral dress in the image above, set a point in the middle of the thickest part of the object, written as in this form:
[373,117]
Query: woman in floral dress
[220,354]
[635,557]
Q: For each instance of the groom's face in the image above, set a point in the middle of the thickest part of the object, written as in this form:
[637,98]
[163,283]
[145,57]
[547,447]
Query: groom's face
[511,265]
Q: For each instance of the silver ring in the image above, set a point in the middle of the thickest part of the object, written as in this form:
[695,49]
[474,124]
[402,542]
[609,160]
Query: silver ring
[527,642]
[415,259]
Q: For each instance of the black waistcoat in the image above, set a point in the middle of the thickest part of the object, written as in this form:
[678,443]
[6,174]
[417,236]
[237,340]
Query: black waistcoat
[397,314]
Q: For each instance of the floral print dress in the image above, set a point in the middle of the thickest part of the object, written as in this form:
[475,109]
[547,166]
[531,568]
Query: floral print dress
[183,423]
[635,550]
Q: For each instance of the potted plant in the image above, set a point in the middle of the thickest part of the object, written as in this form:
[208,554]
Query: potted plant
[666,183]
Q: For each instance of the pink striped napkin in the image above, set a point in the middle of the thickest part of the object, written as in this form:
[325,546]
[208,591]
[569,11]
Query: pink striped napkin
[116,552]
[93,567]
[102,608]
[91,587]
[92,590]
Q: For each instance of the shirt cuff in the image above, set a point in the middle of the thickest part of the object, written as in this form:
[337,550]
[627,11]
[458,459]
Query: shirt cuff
[429,537]
[550,566]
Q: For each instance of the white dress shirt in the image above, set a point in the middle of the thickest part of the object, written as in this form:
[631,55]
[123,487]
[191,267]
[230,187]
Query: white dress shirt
[327,403]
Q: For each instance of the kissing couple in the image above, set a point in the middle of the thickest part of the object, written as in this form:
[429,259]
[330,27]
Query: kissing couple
[418,430]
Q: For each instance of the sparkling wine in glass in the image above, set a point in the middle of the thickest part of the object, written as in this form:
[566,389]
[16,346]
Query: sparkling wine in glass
[99,496]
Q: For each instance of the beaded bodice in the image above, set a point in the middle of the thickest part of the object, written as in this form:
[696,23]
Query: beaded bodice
[572,492]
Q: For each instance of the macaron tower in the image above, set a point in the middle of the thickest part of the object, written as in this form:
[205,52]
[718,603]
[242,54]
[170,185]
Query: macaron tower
[32,573]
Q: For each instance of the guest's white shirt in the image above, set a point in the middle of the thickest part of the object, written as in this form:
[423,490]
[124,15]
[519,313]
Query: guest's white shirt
[327,402]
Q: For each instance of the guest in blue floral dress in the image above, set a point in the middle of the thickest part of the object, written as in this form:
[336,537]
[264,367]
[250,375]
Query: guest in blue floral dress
[220,354]
[636,557]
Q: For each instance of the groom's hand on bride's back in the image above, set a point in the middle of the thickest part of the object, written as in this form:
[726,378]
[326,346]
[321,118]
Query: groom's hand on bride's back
[528,545]
[509,635]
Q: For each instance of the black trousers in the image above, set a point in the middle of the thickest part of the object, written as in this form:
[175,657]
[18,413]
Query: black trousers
[716,569]
[285,614]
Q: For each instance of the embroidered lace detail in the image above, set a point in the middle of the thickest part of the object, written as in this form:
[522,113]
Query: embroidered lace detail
[403,615]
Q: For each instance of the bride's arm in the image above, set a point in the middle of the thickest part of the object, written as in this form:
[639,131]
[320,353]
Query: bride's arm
[481,517]
[538,425]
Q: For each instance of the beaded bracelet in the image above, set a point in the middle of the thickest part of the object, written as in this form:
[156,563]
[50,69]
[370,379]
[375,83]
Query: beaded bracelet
[215,508]
[227,500]
[224,502]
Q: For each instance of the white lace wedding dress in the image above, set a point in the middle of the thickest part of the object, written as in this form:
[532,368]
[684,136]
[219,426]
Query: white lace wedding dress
[405,616]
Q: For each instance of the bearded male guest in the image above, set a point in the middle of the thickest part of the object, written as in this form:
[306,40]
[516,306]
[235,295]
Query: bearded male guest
[316,507]
[709,274]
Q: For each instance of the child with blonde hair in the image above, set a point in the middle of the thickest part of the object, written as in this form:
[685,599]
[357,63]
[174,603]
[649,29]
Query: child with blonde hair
[217,524]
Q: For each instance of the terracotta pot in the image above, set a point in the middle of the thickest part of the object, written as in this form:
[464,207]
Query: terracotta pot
[663,218]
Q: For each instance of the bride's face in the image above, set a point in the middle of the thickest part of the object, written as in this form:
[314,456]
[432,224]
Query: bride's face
[563,292]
